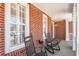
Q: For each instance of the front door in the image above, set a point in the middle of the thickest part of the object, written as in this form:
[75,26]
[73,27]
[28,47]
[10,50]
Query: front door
[60,30]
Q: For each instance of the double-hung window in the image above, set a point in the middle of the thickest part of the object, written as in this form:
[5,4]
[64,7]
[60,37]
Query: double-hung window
[45,25]
[16,22]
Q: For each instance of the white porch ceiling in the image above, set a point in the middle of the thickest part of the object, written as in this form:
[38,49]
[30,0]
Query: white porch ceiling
[54,9]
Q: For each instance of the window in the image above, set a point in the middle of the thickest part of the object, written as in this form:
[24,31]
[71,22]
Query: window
[45,25]
[16,22]
[13,26]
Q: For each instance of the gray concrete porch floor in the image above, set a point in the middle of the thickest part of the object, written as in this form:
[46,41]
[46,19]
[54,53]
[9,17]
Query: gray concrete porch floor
[66,49]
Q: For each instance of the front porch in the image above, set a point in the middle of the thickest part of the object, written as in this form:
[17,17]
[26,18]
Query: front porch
[19,20]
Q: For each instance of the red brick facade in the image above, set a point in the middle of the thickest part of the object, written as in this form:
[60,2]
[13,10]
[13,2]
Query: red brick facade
[35,28]
[2,8]
[35,23]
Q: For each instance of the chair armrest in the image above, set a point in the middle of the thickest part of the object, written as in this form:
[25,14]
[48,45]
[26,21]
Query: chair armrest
[55,40]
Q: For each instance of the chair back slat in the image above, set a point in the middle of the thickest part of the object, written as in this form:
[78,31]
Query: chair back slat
[48,37]
[29,45]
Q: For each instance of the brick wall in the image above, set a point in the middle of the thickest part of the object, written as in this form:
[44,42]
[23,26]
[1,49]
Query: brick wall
[35,23]
[2,28]
[35,28]
[20,52]
[36,18]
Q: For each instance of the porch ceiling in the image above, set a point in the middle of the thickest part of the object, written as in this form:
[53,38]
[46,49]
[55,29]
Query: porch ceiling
[53,9]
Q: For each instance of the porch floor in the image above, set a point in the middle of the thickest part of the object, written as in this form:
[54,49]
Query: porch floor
[66,49]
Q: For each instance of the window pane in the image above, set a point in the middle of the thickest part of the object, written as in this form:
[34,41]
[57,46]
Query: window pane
[13,9]
[23,21]
[13,5]
[13,38]
[23,9]
[23,18]
[13,12]
[22,35]
[20,17]
[20,11]
[13,27]
[13,19]
[20,28]
[23,28]
[22,14]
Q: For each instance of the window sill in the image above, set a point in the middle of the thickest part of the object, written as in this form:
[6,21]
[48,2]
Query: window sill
[14,48]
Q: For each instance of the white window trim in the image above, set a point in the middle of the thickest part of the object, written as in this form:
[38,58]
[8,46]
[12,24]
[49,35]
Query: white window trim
[9,49]
[45,25]
[53,29]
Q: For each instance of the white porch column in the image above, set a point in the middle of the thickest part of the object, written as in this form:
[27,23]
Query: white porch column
[67,30]
[78,29]
[74,27]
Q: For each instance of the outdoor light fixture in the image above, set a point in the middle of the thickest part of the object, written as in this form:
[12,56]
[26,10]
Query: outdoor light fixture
[56,24]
